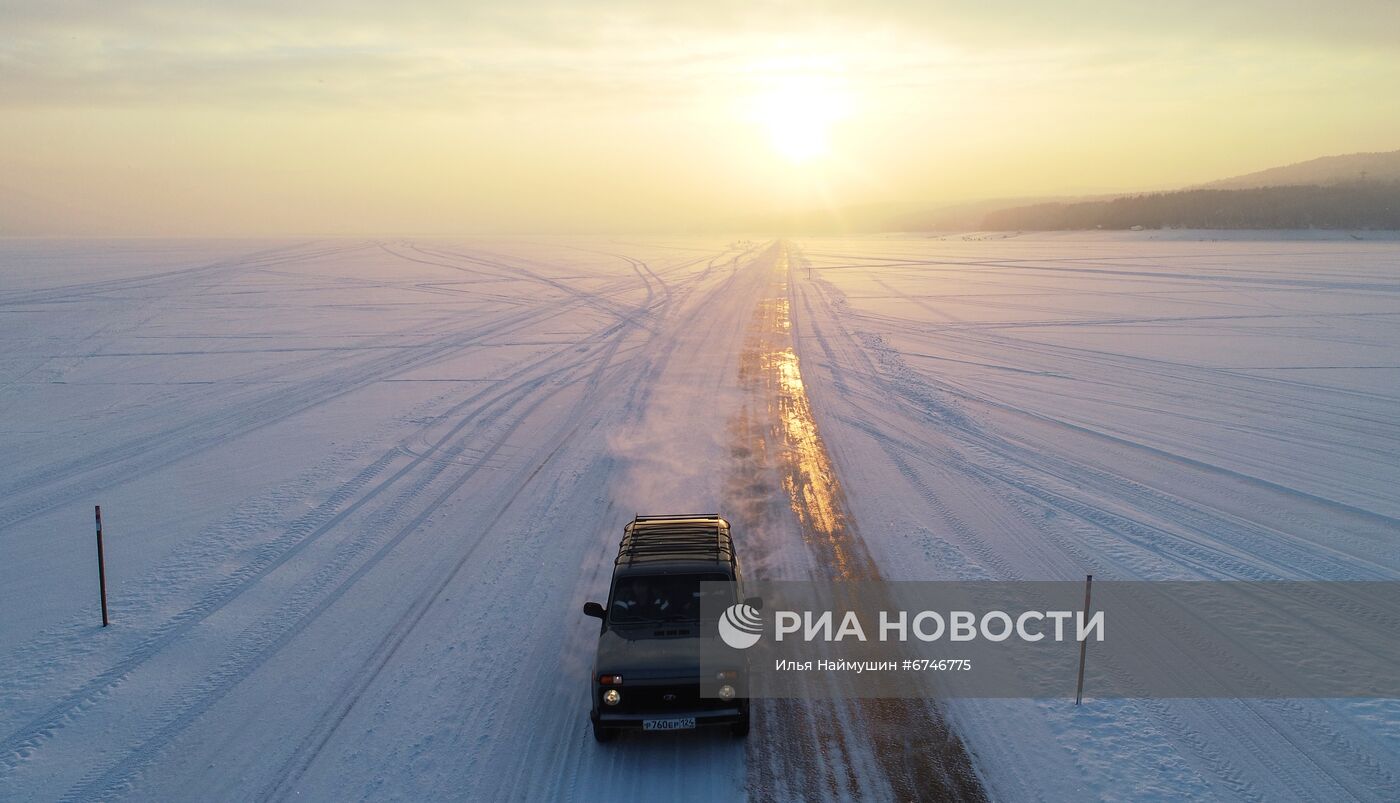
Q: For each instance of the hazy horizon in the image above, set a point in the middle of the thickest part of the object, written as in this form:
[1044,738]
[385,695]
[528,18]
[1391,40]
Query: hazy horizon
[191,119]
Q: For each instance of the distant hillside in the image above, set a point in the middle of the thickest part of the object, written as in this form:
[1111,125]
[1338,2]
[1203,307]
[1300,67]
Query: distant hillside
[1355,205]
[1343,169]
[1352,191]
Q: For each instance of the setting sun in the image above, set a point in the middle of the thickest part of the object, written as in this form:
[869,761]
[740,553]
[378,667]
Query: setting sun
[798,114]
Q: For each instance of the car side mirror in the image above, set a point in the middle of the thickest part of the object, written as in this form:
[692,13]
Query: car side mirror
[754,602]
[594,609]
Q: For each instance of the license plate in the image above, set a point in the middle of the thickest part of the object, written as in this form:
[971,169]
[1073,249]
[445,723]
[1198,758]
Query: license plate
[677,724]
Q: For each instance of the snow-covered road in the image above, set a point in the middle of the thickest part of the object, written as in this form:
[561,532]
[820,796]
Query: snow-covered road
[356,491]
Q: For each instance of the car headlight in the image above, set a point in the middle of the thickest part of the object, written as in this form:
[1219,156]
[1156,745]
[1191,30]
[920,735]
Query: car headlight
[613,696]
[726,692]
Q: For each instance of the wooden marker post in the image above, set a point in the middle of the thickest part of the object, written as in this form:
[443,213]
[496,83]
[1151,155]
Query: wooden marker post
[101,567]
[1084,642]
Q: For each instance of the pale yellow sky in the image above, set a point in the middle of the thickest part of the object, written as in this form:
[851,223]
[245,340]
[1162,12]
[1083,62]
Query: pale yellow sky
[196,118]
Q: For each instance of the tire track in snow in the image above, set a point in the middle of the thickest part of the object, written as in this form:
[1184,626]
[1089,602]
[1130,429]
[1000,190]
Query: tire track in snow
[1335,757]
[298,538]
[895,748]
[306,753]
[503,395]
[558,759]
[126,460]
[264,640]
[279,255]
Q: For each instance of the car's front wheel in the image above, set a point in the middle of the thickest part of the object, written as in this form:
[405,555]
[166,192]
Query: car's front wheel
[602,734]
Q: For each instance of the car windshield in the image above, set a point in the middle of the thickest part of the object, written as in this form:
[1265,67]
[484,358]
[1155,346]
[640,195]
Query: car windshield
[662,598]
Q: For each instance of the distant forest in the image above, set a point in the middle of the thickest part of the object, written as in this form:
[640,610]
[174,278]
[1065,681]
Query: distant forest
[1354,205]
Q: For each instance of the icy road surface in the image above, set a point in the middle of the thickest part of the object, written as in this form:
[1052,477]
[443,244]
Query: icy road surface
[356,492]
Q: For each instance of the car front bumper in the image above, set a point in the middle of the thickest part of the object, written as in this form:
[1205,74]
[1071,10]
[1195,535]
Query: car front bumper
[703,716]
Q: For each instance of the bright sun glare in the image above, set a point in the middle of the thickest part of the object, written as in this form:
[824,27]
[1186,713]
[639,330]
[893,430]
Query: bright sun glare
[797,114]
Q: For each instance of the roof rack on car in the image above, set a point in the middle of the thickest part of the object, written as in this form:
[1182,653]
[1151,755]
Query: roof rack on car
[702,536]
